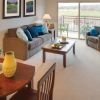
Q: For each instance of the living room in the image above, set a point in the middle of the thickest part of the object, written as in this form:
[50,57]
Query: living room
[77,65]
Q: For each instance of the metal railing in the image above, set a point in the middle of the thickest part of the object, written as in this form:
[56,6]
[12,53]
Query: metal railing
[72,22]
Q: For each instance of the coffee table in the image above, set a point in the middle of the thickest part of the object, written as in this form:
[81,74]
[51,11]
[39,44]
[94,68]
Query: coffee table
[63,51]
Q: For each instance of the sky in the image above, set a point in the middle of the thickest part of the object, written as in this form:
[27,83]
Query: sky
[75,4]
[12,0]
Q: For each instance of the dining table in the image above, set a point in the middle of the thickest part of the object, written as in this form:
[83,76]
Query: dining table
[23,77]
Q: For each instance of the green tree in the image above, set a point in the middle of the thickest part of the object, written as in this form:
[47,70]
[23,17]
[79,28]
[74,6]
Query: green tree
[84,29]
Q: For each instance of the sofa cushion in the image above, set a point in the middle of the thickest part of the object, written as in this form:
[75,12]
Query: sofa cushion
[45,37]
[32,32]
[94,32]
[24,27]
[97,28]
[20,33]
[93,39]
[38,29]
[28,34]
[35,43]
[45,28]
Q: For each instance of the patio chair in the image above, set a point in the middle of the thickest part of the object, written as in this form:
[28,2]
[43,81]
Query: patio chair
[64,28]
[44,88]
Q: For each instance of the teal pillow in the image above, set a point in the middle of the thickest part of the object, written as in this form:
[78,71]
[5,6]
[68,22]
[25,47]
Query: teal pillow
[32,31]
[97,28]
[38,29]
[28,34]
[94,32]
[45,28]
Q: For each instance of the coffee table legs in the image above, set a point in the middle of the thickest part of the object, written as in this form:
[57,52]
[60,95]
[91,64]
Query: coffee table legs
[64,60]
[44,56]
[74,49]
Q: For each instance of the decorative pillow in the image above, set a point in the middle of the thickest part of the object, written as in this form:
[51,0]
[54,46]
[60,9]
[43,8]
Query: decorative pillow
[28,34]
[94,32]
[41,33]
[45,28]
[32,31]
[37,30]
[20,33]
[97,28]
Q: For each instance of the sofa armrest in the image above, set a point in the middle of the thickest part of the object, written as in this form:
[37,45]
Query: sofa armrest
[87,34]
[98,42]
[98,36]
[17,45]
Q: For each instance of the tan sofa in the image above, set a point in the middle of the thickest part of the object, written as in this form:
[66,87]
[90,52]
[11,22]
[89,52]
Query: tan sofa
[23,50]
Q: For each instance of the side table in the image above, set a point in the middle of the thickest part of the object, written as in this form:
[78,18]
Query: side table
[24,76]
[52,31]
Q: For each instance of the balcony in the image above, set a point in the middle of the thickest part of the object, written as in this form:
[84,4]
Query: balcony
[70,26]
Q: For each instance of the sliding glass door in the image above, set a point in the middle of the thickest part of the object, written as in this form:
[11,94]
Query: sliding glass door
[89,17]
[68,19]
[75,19]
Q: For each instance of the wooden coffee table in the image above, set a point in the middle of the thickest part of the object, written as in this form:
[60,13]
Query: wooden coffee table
[63,51]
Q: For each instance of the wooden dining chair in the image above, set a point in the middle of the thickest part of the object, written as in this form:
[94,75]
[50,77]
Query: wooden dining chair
[44,88]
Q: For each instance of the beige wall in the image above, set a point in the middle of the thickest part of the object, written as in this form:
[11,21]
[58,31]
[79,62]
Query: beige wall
[51,8]
[15,22]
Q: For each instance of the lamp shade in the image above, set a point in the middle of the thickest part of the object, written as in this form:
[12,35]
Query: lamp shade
[46,17]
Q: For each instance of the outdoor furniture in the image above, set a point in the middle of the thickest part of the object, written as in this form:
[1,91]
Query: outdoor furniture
[64,28]
[44,88]
[63,51]
[93,41]
[24,76]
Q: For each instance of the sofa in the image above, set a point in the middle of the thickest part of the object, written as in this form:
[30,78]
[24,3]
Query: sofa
[93,38]
[22,49]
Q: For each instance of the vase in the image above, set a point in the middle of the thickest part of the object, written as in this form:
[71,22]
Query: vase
[9,64]
[63,38]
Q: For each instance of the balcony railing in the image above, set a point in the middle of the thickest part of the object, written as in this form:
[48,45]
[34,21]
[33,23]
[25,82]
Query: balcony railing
[71,23]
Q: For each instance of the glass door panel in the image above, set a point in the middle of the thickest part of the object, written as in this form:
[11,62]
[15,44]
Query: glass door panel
[68,20]
[89,17]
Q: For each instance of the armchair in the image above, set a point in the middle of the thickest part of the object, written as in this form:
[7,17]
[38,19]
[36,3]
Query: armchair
[93,41]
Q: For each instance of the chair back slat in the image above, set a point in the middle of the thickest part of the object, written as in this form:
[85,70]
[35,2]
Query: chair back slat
[46,84]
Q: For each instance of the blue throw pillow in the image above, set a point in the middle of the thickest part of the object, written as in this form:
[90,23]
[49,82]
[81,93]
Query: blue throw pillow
[39,29]
[32,31]
[45,28]
[94,32]
[41,33]
[28,34]
[97,28]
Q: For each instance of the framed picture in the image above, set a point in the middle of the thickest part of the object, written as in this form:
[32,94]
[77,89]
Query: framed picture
[11,8]
[29,8]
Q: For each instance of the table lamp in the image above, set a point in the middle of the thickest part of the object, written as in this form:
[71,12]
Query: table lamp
[46,17]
